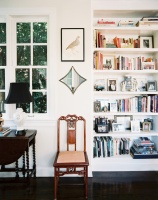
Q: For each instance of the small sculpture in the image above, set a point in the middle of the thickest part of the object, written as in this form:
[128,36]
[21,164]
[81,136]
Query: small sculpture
[1,122]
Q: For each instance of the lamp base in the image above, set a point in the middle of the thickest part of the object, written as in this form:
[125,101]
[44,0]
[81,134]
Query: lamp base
[20,133]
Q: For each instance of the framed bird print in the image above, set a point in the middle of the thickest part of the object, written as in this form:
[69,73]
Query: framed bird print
[72,44]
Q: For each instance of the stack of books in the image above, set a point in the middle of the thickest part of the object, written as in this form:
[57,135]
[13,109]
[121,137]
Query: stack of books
[148,21]
[5,131]
[143,147]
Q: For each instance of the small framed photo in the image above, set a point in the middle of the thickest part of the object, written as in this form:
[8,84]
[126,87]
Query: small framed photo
[146,42]
[108,62]
[125,120]
[148,65]
[112,84]
[72,44]
[152,86]
[146,126]
[117,127]
[97,106]
[135,126]
[141,84]
[102,128]
[99,85]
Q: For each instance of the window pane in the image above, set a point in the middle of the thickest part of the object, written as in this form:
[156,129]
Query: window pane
[2,79]
[3,33]
[23,32]
[39,32]
[23,75]
[39,78]
[2,56]
[40,55]
[2,98]
[24,106]
[23,55]
[40,102]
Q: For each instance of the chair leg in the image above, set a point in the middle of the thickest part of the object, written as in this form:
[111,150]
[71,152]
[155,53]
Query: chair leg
[55,184]
[86,182]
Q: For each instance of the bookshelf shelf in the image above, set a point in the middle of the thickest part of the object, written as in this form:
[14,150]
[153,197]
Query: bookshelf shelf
[124,113]
[125,71]
[118,73]
[123,93]
[126,50]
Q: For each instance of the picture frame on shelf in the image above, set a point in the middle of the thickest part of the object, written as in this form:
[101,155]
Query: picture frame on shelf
[117,127]
[99,85]
[108,62]
[105,105]
[97,106]
[135,126]
[151,86]
[125,120]
[148,65]
[146,42]
[141,84]
[112,84]
[146,126]
[72,45]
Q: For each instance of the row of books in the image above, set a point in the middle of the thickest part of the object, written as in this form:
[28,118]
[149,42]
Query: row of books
[104,62]
[108,146]
[5,131]
[145,103]
[144,21]
[101,41]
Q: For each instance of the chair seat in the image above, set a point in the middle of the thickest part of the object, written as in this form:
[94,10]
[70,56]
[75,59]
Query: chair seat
[71,157]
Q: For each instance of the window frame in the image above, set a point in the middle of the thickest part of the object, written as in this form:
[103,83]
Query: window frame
[11,19]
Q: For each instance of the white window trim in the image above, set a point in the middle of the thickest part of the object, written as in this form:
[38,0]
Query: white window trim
[51,75]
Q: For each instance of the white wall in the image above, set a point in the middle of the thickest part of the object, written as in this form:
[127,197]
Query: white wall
[69,14]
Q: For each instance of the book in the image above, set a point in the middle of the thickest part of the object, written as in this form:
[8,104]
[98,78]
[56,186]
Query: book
[5,131]
[147,23]
[125,23]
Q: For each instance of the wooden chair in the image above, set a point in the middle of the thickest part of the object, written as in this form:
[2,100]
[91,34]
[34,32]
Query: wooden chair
[71,161]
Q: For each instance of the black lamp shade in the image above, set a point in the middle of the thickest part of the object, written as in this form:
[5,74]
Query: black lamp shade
[19,93]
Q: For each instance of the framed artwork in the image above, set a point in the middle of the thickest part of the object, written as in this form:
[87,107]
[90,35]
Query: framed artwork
[97,106]
[146,42]
[72,44]
[141,84]
[125,120]
[99,84]
[135,126]
[146,126]
[117,127]
[152,86]
[148,65]
[112,84]
[108,62]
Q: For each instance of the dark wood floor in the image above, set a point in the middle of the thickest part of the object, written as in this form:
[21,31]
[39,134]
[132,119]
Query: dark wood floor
[103,186]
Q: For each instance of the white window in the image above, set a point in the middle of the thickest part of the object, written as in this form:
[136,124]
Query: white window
[26,55]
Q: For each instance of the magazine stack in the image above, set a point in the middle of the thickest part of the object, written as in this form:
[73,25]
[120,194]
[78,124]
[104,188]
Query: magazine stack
[143,147]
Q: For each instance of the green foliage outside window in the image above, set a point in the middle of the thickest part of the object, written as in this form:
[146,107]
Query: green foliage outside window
[3,33]
[36,55]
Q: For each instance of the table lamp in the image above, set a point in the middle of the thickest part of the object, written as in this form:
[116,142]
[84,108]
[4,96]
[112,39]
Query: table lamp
[19,93]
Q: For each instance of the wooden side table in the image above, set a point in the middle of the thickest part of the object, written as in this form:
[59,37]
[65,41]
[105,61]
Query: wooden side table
[13,147]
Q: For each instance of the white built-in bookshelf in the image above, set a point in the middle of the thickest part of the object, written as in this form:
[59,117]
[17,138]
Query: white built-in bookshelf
[120,54]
